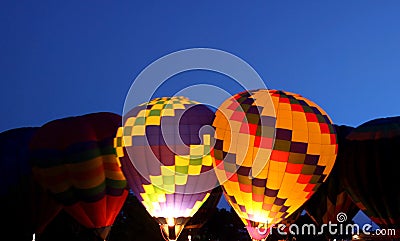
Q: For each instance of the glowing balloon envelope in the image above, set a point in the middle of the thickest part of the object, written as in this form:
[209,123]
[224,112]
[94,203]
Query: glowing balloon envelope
[331,197]
[272,151]
[164,147]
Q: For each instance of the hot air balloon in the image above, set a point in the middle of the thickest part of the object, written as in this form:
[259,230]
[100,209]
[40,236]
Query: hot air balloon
[25,205]
[273,149]
[371,151]
[74,159]
[331,198]
[164,146]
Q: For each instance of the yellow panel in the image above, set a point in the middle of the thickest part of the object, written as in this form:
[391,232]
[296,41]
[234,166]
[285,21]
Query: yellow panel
[181,179]
[277,166]
[300,125]
[153,120]
[241,154]
[286,123]
[157,107]
[313,127]
[181,160]
[207,160]
[234,126]
[326,139]
[300,195]
[119,151]
[231,188]
[283,114]
[263,174]
[295,205]
[206,139]
[257,207]
[233,147]
[130,121]
[145,197]
[269,200]
[139,130]
[300,136]
[314,149]
[299,117]
[156,180]
[267,110]
[288,181]
[248,160]
[227,141]
[244,139]
[260,162]
[219,120]
[274,180]
[167,112]
[196,150]
[328,149]
[142,113]
[167,170]
[247,200]
[178,106]
[219,133]
[127,141]
[275,208]
[314,138]
[284,106]
[169,189]
[120,132]
[194,170]
[148,188]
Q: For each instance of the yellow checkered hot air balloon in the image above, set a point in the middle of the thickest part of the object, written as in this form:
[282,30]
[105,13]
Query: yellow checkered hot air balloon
[272,151]
[165,155]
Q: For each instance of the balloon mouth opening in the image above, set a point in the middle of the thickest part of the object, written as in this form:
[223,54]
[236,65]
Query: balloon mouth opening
[257,230]
[171,227]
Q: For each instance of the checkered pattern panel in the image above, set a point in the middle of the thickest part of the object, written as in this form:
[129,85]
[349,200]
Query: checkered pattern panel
[272,151]
[169,169]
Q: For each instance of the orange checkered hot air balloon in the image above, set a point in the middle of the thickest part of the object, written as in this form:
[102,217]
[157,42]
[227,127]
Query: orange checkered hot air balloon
[272,151]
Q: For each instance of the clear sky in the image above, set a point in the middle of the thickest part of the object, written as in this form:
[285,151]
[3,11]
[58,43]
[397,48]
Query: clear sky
[64,58]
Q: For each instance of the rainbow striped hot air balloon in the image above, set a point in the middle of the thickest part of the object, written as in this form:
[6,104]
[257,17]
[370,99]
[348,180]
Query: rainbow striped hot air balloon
[165,155]
[25,205]
[75,160]
[272,151]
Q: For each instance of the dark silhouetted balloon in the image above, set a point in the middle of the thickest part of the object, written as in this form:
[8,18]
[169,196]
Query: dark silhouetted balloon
[25,206]
[75,160]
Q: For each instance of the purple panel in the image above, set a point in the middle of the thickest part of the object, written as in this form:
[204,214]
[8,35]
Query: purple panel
[298,147]
[319,170]
[271,193]
[311,159]
[259,182]
[268,121]
[279,201]
[283,134]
